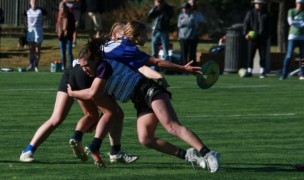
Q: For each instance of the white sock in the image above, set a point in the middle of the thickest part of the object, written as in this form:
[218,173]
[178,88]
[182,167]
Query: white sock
[262,70]
[249,70]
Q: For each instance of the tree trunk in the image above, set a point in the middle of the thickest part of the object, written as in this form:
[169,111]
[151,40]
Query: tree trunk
[281,29]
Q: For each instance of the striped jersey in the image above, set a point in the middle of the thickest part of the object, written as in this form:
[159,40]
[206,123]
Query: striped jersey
[121,85]
[125,59]
[35,17]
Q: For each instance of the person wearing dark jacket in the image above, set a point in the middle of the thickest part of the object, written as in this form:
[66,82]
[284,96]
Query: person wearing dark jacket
[65,28]
[161,15]
[257,31]
[1,16]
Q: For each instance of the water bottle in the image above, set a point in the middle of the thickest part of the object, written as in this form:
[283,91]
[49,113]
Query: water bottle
[53,67]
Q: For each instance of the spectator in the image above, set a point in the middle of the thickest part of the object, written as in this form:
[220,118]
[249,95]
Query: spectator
[295,37]
[1,16]
[65,28]
[74,7]
[34,22]
[187,33]
[199,19]
[95,9]
[257,22]
[1,22]
[161,15]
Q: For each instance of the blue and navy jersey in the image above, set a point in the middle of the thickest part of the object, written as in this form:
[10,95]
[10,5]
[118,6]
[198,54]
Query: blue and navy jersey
[126,52]
[121,85]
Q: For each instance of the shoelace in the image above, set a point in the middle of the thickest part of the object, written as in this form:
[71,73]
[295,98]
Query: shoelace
[192,161]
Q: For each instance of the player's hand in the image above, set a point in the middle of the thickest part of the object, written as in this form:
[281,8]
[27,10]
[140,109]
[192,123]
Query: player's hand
[196,70]
[70,91]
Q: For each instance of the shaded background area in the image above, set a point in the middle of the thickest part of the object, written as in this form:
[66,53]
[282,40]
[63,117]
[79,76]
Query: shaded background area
[218,14]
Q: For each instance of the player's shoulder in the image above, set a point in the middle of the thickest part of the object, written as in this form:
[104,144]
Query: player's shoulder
[44,11]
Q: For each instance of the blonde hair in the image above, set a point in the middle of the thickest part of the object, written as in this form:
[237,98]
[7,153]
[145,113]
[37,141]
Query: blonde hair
[133,29]
[116,27]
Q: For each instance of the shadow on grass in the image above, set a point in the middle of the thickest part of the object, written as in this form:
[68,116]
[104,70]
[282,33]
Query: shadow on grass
[254,167]
[14,53]
[137,165]
[227,167]
[22,52]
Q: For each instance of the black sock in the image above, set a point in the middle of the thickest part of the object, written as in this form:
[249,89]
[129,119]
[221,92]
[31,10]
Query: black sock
[181,153]
[77,135]
[95,145]
[115,149]
[204,150]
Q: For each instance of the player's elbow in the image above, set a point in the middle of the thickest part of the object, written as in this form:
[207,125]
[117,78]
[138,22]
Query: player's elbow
[92,95]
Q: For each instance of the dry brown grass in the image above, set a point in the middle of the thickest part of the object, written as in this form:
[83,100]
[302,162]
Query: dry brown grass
[12,56]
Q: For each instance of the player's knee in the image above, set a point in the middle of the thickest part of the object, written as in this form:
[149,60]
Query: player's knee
[146,141]
[92,116]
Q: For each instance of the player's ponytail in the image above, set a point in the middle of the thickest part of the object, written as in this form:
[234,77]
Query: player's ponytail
[92,49]
[133,30]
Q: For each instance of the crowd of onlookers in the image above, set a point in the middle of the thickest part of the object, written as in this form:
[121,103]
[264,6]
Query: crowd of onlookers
[256,30]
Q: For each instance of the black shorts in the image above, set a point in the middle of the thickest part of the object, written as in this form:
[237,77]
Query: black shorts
[76,77]
[145,91]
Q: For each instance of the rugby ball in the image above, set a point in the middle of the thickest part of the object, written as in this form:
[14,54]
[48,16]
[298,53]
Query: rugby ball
[210,74]
[242,72]
[252,35]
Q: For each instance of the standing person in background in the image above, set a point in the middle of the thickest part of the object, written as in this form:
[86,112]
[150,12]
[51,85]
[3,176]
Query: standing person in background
[65,28]
[295,38]
[199,19]
[1,16]
[1,22]
[257,22]
[95,9]
[74,7]
[186,34]
[161,15]
[34,23]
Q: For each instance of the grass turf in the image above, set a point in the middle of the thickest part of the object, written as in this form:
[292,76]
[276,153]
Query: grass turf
[256,125]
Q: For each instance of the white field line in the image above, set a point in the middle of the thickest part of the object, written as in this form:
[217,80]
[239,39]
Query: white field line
[244,86]
[227,86]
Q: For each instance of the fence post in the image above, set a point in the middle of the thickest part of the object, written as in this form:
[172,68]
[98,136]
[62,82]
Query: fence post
[17,13]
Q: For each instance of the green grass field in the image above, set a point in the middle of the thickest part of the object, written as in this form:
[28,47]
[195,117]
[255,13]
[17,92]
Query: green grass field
[256,125]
